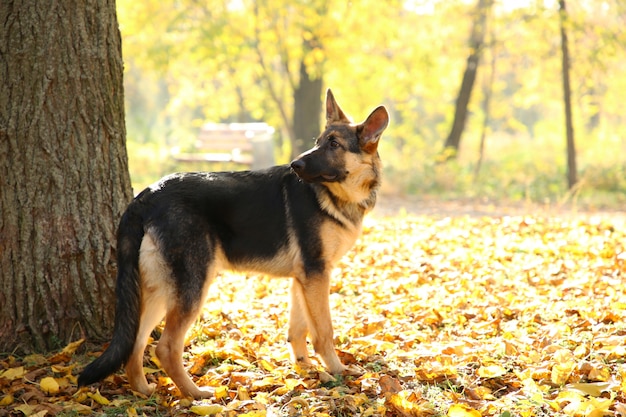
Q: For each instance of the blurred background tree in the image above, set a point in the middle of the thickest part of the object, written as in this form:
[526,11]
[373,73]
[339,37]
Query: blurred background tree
[476,44]
[190,62]
[572,175]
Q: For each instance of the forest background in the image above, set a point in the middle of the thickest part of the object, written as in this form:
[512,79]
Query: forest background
[188,63]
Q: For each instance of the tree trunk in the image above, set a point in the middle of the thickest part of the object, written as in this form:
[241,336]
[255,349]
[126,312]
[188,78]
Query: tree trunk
[64,178]
[486,106]
[567,100]
[307,110]
[453,141]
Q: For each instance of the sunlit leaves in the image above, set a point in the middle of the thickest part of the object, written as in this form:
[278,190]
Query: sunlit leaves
[469,316]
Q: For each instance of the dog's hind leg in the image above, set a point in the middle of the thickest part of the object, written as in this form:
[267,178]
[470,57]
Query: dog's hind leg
[298,328]
[155,290]
[315,290]
[170,352]
[193,281]
[152,313]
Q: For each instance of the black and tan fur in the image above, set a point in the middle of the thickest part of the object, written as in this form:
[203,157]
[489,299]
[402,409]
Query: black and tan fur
[293,220]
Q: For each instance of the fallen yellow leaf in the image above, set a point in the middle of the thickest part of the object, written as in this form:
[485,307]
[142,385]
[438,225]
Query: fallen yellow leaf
[82,409]
[594,389]
[601,405]
[13,373]
[561,372]
[27,409]
[266,365]
[462,410]
[59,369]
[71,347]
[221,392]
[408,403]
[148,370]
[49,385]
[292,383]
[600,374]
[491,371]
[97,397]
[36,358]
[243,362]
[242,393]
[6,400]
[206,410]
[81,395]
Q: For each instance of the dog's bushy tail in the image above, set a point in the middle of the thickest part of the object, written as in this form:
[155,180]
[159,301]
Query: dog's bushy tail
[127,311]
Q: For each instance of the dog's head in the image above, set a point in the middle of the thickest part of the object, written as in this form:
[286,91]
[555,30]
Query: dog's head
[344,152]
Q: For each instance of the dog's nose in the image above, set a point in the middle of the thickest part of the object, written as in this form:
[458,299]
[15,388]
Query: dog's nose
[297,165]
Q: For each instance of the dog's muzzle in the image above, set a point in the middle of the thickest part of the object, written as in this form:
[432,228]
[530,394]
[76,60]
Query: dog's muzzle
[307,174]
[298,166]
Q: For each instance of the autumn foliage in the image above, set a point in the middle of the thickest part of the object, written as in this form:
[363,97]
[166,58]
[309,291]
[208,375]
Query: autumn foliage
[436,316]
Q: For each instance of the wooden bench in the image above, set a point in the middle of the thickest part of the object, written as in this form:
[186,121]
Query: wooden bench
[248,144]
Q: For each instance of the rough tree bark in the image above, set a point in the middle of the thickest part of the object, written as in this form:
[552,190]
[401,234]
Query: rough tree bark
[477,38]
[63,170]
[567,100]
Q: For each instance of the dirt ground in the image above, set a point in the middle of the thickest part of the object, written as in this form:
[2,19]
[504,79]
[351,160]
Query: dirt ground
[393,205]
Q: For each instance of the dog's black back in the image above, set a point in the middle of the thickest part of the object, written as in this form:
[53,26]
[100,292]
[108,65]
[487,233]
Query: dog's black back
[251,215]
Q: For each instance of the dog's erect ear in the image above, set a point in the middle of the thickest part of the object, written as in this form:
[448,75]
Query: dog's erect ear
[333,111]
[371,129]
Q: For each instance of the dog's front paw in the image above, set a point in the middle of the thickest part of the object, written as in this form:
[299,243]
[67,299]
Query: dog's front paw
[354,370]
[144,389]
[206,392]
[199,393]
[350,370]
[325,377]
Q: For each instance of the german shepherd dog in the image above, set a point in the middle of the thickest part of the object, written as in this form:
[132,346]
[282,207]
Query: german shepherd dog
[292,220]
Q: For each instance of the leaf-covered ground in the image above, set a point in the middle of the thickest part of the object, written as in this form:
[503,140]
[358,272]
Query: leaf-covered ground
[444,316]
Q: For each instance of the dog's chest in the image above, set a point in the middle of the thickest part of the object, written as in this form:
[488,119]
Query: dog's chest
[337,240]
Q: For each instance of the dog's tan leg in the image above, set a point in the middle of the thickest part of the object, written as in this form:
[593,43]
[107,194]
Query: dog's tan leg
[151,315]
[154,294]
[315,290]
[170,351]
[298,328]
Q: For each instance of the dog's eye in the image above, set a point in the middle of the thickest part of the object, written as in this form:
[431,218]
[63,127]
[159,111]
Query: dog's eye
[332,142]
